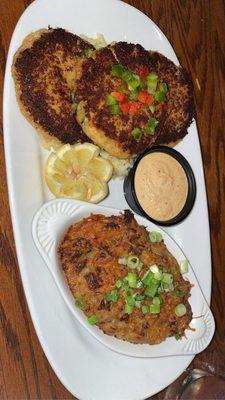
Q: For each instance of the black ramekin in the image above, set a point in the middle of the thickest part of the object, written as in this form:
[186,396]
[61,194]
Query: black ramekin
[130,195]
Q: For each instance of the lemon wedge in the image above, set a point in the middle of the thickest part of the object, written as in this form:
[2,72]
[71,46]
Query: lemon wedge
[78,172]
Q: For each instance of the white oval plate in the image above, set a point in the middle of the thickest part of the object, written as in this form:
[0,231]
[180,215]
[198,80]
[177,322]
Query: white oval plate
[72,352]
[49,225]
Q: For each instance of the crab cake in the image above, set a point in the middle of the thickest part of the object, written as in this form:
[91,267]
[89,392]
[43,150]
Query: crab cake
[44,69]
[131,98]
[179,110]
[124,283]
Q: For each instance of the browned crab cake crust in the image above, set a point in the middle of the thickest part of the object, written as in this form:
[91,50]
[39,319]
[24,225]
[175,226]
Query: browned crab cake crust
[180,103]
[111,132]
[89,253]
[44,69]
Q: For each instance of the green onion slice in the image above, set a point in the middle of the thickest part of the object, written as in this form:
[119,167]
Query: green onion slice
[92,319]
[133,262]
[154,309]
[132,280]
[180,310]
[112,296]
[128,309]
[156,301]
[151,289]
[145,309]
[184,266]
[167,278]
[130,300]
[155,237]
[137,134]
[119,283]
[154,268]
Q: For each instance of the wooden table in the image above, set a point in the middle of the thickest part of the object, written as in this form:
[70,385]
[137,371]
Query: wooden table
[195,29]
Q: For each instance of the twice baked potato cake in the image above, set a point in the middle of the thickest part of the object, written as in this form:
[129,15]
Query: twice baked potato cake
[129,286]
[44,69]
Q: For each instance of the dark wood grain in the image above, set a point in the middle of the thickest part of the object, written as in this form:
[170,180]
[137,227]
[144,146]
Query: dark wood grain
[195,28]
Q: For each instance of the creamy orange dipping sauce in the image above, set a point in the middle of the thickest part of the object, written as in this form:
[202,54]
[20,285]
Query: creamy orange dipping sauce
[161,186]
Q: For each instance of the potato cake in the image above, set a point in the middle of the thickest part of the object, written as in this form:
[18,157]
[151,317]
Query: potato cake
[129,286]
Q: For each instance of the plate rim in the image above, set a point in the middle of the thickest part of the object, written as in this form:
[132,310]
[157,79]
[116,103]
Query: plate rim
[17,238]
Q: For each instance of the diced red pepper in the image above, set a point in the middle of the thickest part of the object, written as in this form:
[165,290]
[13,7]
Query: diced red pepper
[125,107]
[149,99]
[143,71]
[118,96]
[142,97]
[134,107]
[160,106]
[146,98]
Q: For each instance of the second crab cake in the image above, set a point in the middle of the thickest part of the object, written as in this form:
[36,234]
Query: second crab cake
[125,99]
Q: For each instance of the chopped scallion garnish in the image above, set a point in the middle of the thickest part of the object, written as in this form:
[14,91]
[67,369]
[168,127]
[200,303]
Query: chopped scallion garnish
[155,237]
[154,268]
[119,283]
[128,309]
[132,280]
[184,266]
[112,296]
[180,310]
[92,319]
[145,309]
[133,262]
[154,309]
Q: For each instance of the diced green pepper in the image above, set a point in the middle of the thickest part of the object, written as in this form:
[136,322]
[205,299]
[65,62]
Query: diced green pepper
[117,70]
[110,100]
[151,125]
[160,96]
[137,134]
[115,109]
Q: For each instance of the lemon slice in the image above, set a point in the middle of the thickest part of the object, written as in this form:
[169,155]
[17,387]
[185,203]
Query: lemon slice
[78,172]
